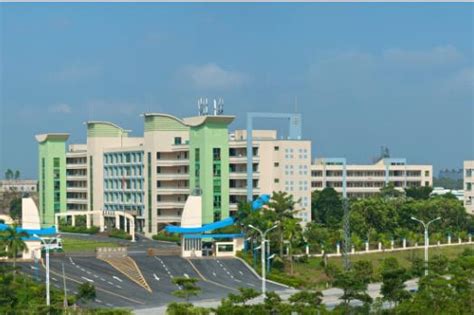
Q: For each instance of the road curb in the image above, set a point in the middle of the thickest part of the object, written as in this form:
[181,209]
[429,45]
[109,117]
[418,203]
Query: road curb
[259,277]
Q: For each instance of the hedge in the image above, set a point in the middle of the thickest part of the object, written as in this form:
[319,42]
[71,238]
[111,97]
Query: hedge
[120,234]
[166,237]
[79,229]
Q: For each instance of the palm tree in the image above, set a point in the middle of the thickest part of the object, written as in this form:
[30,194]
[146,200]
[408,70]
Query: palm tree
[13,241]
[284,207]
[292,231]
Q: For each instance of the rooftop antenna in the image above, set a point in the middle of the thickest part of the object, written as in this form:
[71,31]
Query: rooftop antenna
[203,108]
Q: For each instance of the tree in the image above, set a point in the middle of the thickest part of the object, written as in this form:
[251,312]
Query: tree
[17,174]
[306,298]
[86,292]
[246,294]
[283,207]
[327,207]
[393,281]
[187,287]
[15,208]
[9,174]
[354,287]
[389,191]
[292,232]
[422,192]
[12,239]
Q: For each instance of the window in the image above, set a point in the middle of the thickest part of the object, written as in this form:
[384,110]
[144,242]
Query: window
[427,173]
[177,140]
[468,186]
[158,155]
[276,180]
[276,164]
[158,169]
[216,154]
[276,148]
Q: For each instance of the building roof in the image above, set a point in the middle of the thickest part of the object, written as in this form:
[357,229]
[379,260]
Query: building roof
[52,137]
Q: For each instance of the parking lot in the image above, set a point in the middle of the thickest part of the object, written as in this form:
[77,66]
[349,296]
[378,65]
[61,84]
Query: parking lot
[217,278]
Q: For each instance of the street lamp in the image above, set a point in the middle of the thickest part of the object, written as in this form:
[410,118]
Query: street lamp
[262,248]
[427,242]
[46,246]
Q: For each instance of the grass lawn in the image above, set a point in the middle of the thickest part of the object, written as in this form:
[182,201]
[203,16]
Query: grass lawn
[312,273]
[76,245]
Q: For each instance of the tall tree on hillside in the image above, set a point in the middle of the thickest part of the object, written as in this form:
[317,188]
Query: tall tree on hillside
[13,241]
[393,281]
[283,206]
[187,287]
[389,191]
[419,192]
[17,174]
[292,232]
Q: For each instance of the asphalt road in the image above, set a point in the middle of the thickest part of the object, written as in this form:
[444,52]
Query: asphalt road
[217,278]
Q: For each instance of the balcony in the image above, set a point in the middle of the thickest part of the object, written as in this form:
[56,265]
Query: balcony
[168,219]
[78,166]
[172,176]
[172,162]
[242,159]
[242,175]
[180,147]
[76,200]
[172,190]
[242,190]
[170,204]
[76,189]
[76,177]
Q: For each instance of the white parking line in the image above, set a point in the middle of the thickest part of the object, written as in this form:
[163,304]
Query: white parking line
[241,273]
[118,286]
[214,274]
[87,279]
[110,283]
[186,275]
[156,277]
[54,279]
[98,301]
[102,279]
[109,305]
[117,278]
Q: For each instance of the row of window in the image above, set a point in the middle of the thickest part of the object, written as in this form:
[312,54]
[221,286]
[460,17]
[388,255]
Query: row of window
[117,171]
[369,173]
[119,197]
[123,157]
[136,184]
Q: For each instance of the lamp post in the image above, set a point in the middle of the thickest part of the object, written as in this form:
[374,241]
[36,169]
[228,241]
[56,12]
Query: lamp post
[46,247]
[262,249]
[427,242]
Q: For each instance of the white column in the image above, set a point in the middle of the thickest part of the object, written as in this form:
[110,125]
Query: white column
[56,221]
[404,243]
[459,240]
[449,238]
[392,244]
[307,249]
[439,243]
[132,229]
[353,250]
[366,246]
[380,246]
[338,249]
[101,222]
[117,221]
[73,220]
[88,221]
[470,238]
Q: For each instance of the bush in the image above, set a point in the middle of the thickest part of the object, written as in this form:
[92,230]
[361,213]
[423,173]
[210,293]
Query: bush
[163,236]
[120,234]
[286,279]
[86,292]
[79,229]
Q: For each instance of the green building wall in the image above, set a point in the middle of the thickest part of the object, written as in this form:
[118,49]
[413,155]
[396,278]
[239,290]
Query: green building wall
[204,139]
[52,176]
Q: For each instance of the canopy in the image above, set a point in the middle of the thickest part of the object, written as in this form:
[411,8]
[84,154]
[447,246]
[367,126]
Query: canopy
[202,229]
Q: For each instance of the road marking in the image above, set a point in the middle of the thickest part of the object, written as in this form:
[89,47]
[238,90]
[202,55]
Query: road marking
[102,279]
[250,284]
[88,272]
[241,272]
[96,276]
[156,277]
[98,301]
[87,279]
[54,279]
[186,275]
[117,278]
[237,280]
[214,274]
[118,286]
[110,283]
[72,262]
[109,305]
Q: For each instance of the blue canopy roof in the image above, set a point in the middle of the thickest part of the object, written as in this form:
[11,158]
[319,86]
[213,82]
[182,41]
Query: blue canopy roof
[260,201]
[45,231]
[202,229]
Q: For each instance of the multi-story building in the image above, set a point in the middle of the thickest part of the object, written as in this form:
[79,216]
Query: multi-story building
[150,177]
[278,165]
[469,186]
[18,185]
[366,180]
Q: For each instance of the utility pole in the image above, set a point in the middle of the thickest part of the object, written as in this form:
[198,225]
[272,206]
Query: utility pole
[262,249]
[46,247]
[346,249]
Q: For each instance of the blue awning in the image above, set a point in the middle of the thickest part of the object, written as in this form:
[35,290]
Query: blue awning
[260,201]
[45,231]
[205,228]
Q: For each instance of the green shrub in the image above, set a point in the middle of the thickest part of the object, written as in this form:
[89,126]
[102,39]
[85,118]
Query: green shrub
[286,279]
[79,229]
[120,234]
[163,236]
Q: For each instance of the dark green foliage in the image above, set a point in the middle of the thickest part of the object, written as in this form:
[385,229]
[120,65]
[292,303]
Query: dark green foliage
[15,208]
[86,292]
[327,207]
[393,281]
[79,229]
[422,192]
[185,309]
[187,287]
[306,298]
[116,233]
[354,286]
[163,236]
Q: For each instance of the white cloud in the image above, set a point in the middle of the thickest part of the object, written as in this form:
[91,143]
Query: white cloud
[60,109]
[212,76]
[75,72]
[437,56]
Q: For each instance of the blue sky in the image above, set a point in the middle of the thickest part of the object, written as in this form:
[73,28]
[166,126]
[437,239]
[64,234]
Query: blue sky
[365,75]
